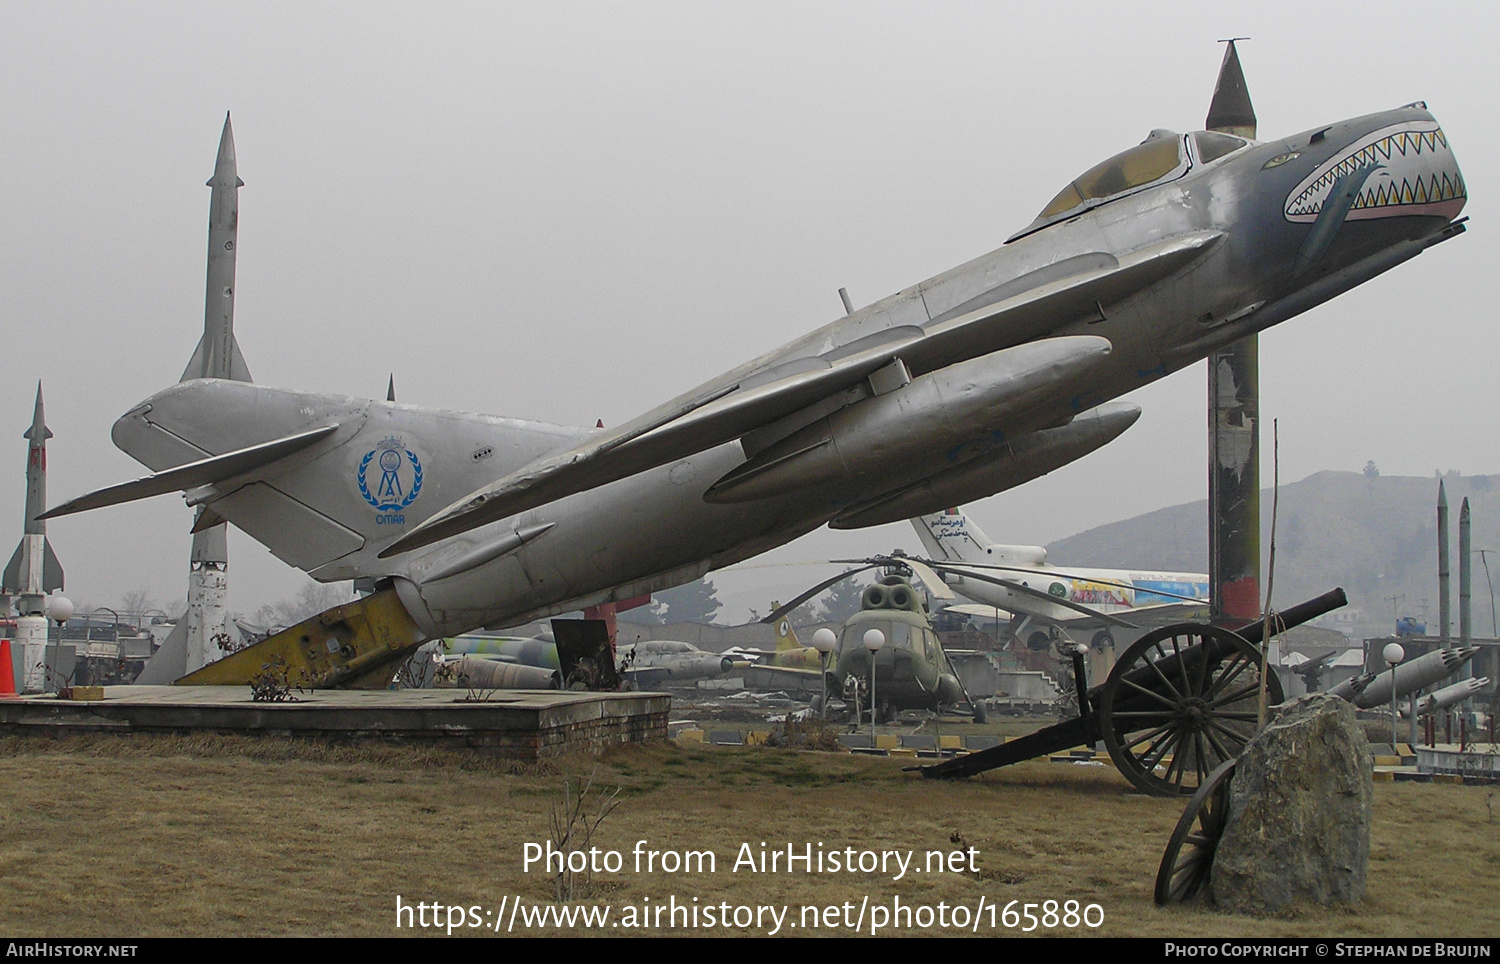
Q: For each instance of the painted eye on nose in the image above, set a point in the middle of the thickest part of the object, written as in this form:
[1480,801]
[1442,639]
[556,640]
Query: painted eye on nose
[1280,159]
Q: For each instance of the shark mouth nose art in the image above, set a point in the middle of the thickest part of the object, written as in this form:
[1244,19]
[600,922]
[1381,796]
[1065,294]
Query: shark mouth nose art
[1416,174]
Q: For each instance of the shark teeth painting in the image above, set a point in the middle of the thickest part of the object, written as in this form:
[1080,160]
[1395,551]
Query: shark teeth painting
[1415,173]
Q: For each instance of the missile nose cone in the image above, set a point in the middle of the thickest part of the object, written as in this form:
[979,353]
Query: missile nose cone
[38,428]
[1230,110]
[225,166]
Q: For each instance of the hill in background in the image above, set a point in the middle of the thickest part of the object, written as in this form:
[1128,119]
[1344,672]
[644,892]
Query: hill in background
[1376,537]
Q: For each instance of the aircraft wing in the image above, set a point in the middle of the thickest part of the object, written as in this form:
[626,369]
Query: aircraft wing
[721,412]
[1167,613]
[978,610]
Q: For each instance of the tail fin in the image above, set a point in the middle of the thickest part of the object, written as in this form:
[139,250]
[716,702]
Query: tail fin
[323,481]
[951,536]
[786,636]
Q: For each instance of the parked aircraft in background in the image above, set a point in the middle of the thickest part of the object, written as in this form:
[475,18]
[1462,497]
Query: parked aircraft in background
[996,576]
[652,663]
[789,653]
[976,380]
[911,669]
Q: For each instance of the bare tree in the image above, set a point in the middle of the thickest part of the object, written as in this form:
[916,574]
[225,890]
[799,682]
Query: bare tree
[311,599]
[137,601]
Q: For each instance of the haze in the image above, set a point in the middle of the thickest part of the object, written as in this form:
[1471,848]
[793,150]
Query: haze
[570,212]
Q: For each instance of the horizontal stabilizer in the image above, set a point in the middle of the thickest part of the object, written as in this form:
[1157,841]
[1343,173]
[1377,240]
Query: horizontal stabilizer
[207,471]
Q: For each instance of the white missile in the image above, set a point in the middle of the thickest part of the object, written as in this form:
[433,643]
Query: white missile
[1414,674]
[1449,695]
[34,570]
[1350,688]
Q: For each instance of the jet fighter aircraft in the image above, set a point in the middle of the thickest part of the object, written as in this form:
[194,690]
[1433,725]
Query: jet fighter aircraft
[960,386]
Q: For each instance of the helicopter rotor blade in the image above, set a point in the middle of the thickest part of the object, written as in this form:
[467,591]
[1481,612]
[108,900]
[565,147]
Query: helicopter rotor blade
[788,607]
[930,579]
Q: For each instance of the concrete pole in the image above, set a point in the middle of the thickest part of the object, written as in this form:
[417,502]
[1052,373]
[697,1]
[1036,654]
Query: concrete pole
[1234,482]
[1465,622]
[1233,416]
[1445,593]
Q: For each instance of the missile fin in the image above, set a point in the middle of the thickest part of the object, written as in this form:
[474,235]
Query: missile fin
[197,367]
[12,579]
[52,571]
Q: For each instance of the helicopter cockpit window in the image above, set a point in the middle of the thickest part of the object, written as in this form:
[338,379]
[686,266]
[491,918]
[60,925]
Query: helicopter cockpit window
[1212,145]
[1146,163]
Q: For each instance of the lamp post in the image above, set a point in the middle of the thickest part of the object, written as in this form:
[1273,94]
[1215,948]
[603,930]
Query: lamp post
[874,640]
[59,610]
[823,641]
[1393,654]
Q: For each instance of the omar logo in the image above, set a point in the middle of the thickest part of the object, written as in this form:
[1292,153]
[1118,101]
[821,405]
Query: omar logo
[395,474]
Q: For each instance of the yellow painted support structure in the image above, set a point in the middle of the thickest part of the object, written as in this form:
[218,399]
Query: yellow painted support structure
[690,736]
[354,646]
[950,741]
[887,741]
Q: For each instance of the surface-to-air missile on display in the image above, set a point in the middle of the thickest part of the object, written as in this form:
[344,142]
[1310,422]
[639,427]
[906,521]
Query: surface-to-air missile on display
[1371,690]
[1449,696]
[33,570]
[971,382]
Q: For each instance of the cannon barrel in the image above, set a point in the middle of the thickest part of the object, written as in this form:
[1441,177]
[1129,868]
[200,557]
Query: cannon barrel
[1086,728]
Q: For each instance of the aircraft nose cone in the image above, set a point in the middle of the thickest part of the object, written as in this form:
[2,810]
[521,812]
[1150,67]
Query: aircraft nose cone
[1412,171]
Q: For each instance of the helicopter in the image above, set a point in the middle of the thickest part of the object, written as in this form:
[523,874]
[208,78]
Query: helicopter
[912,671]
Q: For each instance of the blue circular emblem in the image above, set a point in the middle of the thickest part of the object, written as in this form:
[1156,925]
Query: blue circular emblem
[391,493]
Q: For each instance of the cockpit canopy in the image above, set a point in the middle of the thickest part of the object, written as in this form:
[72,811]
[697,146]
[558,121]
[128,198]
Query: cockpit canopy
[1163,156]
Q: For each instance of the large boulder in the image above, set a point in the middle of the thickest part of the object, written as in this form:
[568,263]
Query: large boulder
[1298,827]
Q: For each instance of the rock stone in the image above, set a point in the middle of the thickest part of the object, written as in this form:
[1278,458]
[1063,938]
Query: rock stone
[1298,827]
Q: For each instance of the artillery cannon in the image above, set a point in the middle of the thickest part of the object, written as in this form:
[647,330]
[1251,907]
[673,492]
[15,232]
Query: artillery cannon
[1180,701]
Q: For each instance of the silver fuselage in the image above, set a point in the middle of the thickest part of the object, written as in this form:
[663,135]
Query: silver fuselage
[331,508]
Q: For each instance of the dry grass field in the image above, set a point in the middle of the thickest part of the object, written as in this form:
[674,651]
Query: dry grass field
[216,836]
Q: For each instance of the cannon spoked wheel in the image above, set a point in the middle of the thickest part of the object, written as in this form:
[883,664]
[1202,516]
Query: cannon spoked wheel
[1181,701]
[1189,859]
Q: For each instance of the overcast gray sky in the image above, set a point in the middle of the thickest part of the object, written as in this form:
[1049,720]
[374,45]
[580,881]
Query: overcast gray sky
[575,211]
